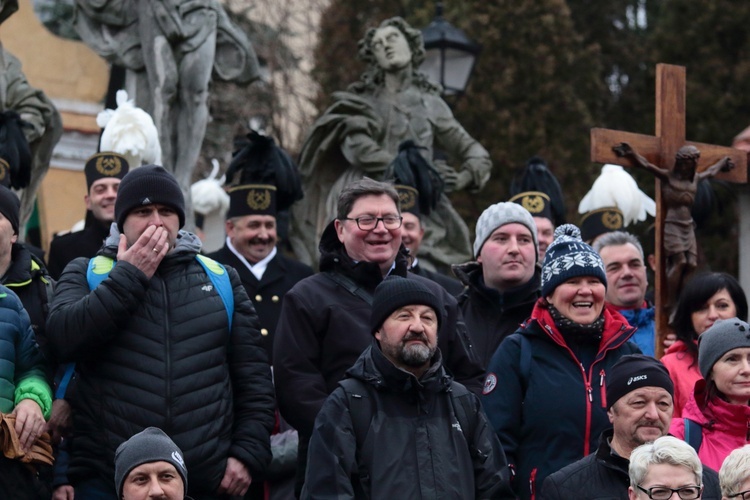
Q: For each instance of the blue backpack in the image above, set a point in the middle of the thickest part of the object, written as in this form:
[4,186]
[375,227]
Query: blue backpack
[99,269]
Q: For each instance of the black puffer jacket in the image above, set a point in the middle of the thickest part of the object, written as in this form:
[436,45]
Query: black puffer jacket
[491,316]
[412,447]
[159,353]
[604,476]
[324,328]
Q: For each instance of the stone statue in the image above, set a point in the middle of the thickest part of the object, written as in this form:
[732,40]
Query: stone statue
[360,134]
[172,47]
[678,188]
[43,123]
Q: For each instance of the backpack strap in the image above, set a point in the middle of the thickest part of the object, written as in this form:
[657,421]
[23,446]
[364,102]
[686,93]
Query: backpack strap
[350,286]
[361,409]
[693,433]
[219,276]
[525,362]
[463,406]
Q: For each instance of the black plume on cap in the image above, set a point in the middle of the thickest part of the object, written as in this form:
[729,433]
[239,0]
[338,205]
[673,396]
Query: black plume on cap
[14,149]
[535,176]
[410,168]
[258,160]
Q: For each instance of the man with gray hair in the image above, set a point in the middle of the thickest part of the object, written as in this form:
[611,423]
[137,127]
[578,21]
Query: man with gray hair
[625,266]
[503,282]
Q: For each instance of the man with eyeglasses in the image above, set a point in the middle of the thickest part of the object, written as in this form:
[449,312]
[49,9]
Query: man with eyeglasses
[323,327]
[666,469]
[639,395]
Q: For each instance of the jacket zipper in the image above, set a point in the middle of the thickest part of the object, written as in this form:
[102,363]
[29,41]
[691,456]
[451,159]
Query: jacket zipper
[603,388]
[747,434]
[532,483]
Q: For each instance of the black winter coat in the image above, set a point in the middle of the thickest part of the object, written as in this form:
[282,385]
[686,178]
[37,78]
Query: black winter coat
[85,243]
[604,476]
[324,328]
[158,352]
[453,286]
[267,293]
[412,448]
[491,316]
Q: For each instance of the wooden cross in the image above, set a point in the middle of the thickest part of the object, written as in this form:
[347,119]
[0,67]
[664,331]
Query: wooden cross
[660,150]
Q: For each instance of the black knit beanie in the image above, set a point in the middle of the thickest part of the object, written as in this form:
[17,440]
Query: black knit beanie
[10,207]
[395,292]
[148,446]
[147,185]
[634,371]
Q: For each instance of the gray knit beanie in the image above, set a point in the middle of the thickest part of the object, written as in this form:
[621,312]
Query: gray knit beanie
[149,445]
[723,336]
[147,185]
[395,292]
[498,215]
[568,257]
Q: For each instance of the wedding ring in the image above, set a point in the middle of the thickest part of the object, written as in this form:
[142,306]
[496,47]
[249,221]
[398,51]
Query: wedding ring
[156,250]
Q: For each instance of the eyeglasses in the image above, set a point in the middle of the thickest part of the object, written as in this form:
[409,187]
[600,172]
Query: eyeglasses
[368,222]
[664,493]
[741,494]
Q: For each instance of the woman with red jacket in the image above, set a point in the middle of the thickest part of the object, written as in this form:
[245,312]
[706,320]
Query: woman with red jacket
[706,298]
[719,403]
[545,390]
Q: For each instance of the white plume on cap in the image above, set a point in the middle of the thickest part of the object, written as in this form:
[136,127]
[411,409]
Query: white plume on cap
[208,194]
[616,188]
[129,131]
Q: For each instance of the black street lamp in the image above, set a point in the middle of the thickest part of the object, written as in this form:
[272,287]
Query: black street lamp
[451,54]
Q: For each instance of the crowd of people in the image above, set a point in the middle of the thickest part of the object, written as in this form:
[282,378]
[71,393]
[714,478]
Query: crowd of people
[132,360]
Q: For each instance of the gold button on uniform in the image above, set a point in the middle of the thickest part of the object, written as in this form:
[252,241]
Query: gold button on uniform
[263,332]
[275,299]
[258,298]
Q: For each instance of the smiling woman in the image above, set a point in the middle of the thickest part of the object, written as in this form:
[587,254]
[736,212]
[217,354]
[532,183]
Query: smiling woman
[570,322]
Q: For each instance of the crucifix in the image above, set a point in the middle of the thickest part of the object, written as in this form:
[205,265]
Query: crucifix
[670,158]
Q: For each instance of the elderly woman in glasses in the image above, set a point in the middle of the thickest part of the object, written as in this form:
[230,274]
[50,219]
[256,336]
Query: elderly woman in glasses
[734,475]
[666,468]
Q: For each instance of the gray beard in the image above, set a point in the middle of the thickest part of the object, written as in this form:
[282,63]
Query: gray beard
[416,355]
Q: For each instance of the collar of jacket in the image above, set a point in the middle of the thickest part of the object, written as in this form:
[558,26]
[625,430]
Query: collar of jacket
[606,456]
[521,294]
[374,368]
[717,414]
[616,328]
[21,268]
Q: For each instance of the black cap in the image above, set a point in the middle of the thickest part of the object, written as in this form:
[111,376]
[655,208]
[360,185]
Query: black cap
[408,198]
[634,371]
[10,207]
[252,199]
[395,292]
[537,203]
[105,165]
[147,185]
[600,221]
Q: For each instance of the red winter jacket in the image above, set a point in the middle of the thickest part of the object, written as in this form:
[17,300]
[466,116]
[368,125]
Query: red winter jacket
[678,361]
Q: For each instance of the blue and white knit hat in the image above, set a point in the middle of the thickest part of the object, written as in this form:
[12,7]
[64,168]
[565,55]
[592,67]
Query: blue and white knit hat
[567,257]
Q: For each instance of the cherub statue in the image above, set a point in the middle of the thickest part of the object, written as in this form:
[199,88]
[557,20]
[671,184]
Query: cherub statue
[678,189]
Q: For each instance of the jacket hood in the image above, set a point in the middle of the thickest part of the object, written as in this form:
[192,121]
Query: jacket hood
[373,368]
[717,414]
[186,242]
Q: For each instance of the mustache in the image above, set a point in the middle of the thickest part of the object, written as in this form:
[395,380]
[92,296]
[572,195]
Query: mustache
[415,336]
[260,241]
